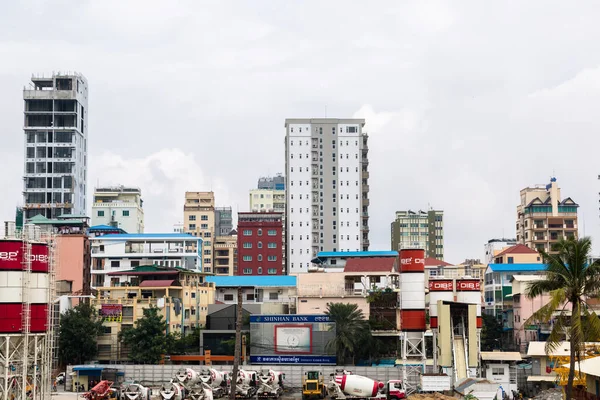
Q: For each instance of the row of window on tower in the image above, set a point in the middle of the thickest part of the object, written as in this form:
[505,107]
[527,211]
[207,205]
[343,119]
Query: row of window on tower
[349,129]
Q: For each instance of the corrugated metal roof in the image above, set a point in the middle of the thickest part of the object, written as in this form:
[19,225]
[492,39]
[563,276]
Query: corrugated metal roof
[517,267]
[346,254]
[501,355]
[591,366]
[253,281]
[539,349]
[158,283]
[370,264]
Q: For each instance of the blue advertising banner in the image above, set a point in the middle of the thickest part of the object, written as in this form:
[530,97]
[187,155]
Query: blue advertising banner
[318,360]
[288,318]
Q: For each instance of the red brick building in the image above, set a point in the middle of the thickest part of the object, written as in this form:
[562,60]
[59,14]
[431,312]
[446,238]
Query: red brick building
[260,243]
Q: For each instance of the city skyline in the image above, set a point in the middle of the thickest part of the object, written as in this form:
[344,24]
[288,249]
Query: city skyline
[451,125]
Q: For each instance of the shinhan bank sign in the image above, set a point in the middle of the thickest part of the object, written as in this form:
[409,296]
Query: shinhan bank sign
[269,319]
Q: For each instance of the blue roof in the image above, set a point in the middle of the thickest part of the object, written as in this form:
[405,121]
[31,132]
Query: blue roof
[517,267]
[117,236]
[104,228]
[255,281]
[331,254]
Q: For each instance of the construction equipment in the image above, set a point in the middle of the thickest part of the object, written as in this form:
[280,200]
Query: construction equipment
[135,391]
[171,391]
[313,385]
[102,391]
[270,384]
[245,385]
[344,385]
[217,380]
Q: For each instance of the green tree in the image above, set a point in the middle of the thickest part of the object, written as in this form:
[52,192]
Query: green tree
[491,333]
[147,341]
[570,282]
[351,329]
[188,344]
[78,332]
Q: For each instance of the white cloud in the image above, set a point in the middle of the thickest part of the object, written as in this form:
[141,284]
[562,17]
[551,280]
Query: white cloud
[164,177]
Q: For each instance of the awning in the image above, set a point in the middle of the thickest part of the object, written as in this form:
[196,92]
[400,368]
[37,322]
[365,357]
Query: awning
[157,283]
[501,356]
[85,368]
[542,378]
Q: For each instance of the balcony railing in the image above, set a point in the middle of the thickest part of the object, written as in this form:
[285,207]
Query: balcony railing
[280,299]
[331,290]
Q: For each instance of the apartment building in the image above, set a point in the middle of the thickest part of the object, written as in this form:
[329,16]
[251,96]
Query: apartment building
[113,254]
[516,260]
[523,309]
[199,221]
[225,252]
[495,246]
[259,244]
[181,296]
[543,218]
[274,294]
[327,188]
[419,229]
[55,127]
[223,221]
[270,197]
[120,207]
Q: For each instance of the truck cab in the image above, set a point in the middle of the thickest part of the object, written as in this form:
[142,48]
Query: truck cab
[395,390]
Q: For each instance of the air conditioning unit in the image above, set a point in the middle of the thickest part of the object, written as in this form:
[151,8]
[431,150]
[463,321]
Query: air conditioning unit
[280,291]
[221,290]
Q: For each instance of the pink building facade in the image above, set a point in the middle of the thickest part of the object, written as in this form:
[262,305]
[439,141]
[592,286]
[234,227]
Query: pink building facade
[523,308]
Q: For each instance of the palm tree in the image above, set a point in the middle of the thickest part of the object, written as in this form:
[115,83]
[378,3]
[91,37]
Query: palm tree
[570,282]
[350,328]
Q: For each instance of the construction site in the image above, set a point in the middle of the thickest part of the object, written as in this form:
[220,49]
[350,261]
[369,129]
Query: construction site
[29,315]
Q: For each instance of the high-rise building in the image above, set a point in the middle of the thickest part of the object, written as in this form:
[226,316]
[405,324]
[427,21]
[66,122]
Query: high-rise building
[56,117]
[223,221]
[199,220]
[327,190]
[419,229]
[119,207]
[259,244]
[542,218]
[270,197]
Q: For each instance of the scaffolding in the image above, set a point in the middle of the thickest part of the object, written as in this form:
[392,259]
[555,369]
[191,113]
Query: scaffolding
[26,358]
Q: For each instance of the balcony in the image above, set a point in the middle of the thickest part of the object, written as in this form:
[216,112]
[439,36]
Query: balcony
[366,202]
[365,175]
[365,188]
[329,290]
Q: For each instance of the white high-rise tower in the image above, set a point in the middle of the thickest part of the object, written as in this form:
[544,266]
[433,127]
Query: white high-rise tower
[327,202]
[55,126]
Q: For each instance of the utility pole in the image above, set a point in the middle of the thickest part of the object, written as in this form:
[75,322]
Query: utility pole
[238,344]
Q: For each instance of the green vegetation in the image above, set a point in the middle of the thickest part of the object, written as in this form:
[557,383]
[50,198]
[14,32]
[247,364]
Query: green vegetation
[570,282]
[491,333]
[78,332]
[147,341]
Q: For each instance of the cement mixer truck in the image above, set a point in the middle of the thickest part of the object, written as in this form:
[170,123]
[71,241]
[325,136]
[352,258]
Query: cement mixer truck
[217,380]
[186,385]
[270,384]
[344,385]
[245,385]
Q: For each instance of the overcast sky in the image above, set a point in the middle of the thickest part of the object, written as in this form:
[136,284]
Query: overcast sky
[466,102]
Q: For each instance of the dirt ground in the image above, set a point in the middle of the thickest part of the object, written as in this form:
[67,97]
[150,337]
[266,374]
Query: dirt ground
[430,396]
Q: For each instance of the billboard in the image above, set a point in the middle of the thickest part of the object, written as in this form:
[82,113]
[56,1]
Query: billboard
[11,256]
[291,339]
[111,312]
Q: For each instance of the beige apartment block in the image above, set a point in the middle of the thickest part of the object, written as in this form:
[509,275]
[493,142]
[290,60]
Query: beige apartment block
[543,218]
[199,220]
[225,255]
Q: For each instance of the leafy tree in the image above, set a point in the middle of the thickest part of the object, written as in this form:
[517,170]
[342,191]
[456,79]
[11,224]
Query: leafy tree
[78,331]
[188,344]
[351,330]
[147,341]
[570,281]
[491,333]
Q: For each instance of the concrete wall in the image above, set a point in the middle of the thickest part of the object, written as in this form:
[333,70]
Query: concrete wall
[156,375]
[70,251]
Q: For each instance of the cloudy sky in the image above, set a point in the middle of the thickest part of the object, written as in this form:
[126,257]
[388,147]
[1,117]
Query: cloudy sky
[466,102]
